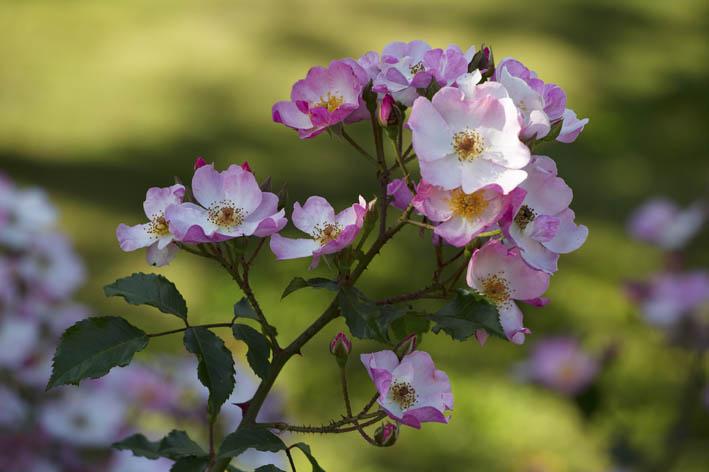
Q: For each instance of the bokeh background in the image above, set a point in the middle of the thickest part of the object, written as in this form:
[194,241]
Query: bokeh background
[100,100]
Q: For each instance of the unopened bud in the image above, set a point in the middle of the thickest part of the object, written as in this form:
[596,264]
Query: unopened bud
[406,346]
[199,162]
[387,113]
[484,61]
[340,347]
[387,434]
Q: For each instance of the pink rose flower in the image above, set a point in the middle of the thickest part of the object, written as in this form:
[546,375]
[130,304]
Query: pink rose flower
[329,233]
[411,391]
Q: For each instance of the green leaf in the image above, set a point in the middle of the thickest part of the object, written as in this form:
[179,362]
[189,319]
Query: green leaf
[306,450]
[318,282]
[177,444]
[216,365]
[231,468]
[268,468]
[410,323]
[465,314]
[92,347]
[259,350]
[190,464]
[243,309]
[140,446]
[365,318]
[242,439]
[149,289]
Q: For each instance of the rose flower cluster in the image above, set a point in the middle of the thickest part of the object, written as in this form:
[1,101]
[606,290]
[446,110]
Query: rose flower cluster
[465,133]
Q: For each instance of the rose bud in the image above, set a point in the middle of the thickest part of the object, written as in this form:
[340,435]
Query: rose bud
[199,162]
[340,347]
[387,434]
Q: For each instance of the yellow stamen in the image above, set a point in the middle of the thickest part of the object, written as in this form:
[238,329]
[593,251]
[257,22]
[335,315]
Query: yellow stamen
[226,215]
[468,144]
[468,205]
[331,102]
[496,289]
[327,233]
[159,226]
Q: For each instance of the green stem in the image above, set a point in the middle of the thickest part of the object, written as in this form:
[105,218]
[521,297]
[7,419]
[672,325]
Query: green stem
[348,407]
[359,148]
[179,330]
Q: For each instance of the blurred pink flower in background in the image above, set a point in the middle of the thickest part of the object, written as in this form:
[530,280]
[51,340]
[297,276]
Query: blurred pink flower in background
[561,365]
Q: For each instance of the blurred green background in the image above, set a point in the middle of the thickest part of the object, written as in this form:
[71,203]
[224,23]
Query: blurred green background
[100,100]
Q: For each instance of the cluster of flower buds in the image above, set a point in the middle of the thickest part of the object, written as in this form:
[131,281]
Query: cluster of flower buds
[672,298]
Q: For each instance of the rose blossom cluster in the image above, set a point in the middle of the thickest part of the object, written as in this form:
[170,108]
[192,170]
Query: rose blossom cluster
[479,185]
[473,127]
[675,296]
[71,429]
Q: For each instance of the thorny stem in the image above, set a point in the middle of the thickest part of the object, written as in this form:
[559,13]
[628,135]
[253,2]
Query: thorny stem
[325,429]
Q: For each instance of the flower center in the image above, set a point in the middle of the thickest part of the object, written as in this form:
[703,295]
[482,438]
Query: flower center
[524,216]
[496,289]
[327,233]
[416,68]
[468,144]
[159,227]
[403,394]
[226,215]
[331,102]
[468,205]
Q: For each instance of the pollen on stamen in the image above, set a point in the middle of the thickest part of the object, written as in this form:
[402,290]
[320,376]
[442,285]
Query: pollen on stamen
[468,205]
[226,215]
[496,289]
[403,394]
[328,232]
[524,216]
[331,102]
[158,226]
[468,144]
[416,68]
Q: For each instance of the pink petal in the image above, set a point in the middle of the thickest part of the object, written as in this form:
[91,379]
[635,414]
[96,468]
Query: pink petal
[160,257]
[288,248]
[316,212]
[431,136]
[158,199]
[135,237]
[570,236]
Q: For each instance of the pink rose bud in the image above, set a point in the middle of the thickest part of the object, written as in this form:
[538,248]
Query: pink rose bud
[340,347]
[386,110]
[245,165]
[406,346]
[387,434]
[199,162]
